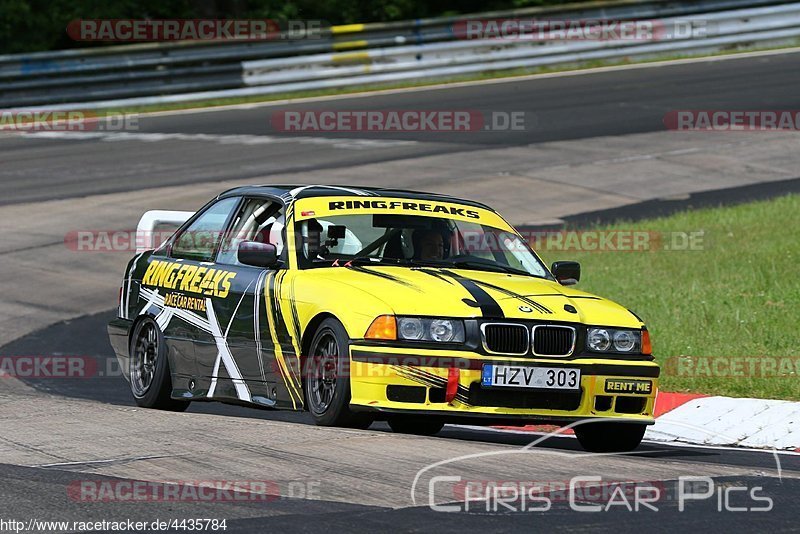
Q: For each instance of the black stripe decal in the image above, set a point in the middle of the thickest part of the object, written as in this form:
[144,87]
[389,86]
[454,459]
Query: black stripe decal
[385,276]
[462,393]
[489,307]
[561,295]
[282,334]
[435,274]
[532,303]
[281,326]
[431,380]
[295,318]
[535,305]
[259,337]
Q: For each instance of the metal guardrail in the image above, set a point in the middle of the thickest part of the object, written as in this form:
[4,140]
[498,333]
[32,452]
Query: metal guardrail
[360,54]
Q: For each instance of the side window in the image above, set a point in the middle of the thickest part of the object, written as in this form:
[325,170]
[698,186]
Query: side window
[199,241]
[259,219]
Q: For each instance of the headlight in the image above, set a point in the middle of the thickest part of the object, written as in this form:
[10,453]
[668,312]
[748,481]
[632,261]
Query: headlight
[411,328]
[624,340]
[598,339]
[442,330]
[439,330]
[613,340]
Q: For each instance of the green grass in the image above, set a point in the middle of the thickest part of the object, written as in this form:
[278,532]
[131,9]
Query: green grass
[428,82]
[738,297]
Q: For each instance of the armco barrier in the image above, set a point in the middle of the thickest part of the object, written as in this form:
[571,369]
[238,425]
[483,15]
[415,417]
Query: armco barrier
[366,54]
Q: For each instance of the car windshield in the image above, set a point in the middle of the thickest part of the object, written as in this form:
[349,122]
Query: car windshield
[415,241]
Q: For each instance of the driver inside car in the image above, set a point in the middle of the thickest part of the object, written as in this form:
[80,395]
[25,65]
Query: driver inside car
[428,245]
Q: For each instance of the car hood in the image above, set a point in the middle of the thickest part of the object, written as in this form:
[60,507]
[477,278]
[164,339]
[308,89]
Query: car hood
[429,291]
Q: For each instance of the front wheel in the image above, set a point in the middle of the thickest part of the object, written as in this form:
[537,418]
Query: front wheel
[610,436]
[151,383]
[327,381]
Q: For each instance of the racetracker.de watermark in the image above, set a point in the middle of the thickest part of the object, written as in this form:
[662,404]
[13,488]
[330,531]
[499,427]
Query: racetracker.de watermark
[733,366]
[66,121]
[440,121]
[161,30]
[98,241]
[233,491]
[121,491]
[47,366]
[621,240]
[720,120]
[544,30]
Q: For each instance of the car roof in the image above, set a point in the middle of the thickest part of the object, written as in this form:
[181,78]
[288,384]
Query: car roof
[289,193]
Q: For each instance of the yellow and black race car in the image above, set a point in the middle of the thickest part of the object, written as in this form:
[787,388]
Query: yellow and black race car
[363,304]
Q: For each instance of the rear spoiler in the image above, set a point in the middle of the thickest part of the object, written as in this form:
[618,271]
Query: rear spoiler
[145,231]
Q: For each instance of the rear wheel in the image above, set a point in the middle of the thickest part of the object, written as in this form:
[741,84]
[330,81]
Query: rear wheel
[151,383]
[420,426]
[610,436]
[327,381]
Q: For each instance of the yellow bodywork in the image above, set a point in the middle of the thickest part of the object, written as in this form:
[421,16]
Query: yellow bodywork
[357,296]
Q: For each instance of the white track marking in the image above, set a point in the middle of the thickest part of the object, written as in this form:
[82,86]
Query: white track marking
[234,139]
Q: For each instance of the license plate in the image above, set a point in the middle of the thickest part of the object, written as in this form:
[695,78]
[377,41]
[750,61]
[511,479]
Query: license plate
[517,376]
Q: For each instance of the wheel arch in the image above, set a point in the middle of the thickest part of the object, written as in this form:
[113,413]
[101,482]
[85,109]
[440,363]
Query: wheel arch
[305,347]
[308,334]
[138,319]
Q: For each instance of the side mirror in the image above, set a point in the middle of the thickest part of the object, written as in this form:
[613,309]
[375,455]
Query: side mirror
[566,272]
[257,254]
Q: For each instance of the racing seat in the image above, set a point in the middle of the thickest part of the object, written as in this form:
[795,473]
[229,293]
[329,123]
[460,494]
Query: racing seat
[394,247]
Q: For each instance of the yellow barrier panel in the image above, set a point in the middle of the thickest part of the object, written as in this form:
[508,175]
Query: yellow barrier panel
[347,28]
[352,57]
[347,45]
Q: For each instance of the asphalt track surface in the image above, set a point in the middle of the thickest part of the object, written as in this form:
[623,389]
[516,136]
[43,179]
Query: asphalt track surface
[25,488]
[617,102]
[580,107]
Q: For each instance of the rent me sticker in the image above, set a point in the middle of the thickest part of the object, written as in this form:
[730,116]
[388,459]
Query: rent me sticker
[642,387]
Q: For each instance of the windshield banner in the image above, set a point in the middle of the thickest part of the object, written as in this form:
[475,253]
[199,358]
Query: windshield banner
[308,208]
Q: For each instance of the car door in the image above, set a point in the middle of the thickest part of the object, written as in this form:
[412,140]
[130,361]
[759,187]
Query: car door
[175,291]
[191,287]
[246,319]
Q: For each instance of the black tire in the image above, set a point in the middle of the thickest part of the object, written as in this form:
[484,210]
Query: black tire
[151,384]
[610,436]
[326,378]
[417,425]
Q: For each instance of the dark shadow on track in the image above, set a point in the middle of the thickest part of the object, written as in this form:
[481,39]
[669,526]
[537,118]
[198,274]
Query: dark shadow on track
[86,336]
[26,488]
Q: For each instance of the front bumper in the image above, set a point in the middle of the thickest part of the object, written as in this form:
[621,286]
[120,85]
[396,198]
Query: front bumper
[389,380]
